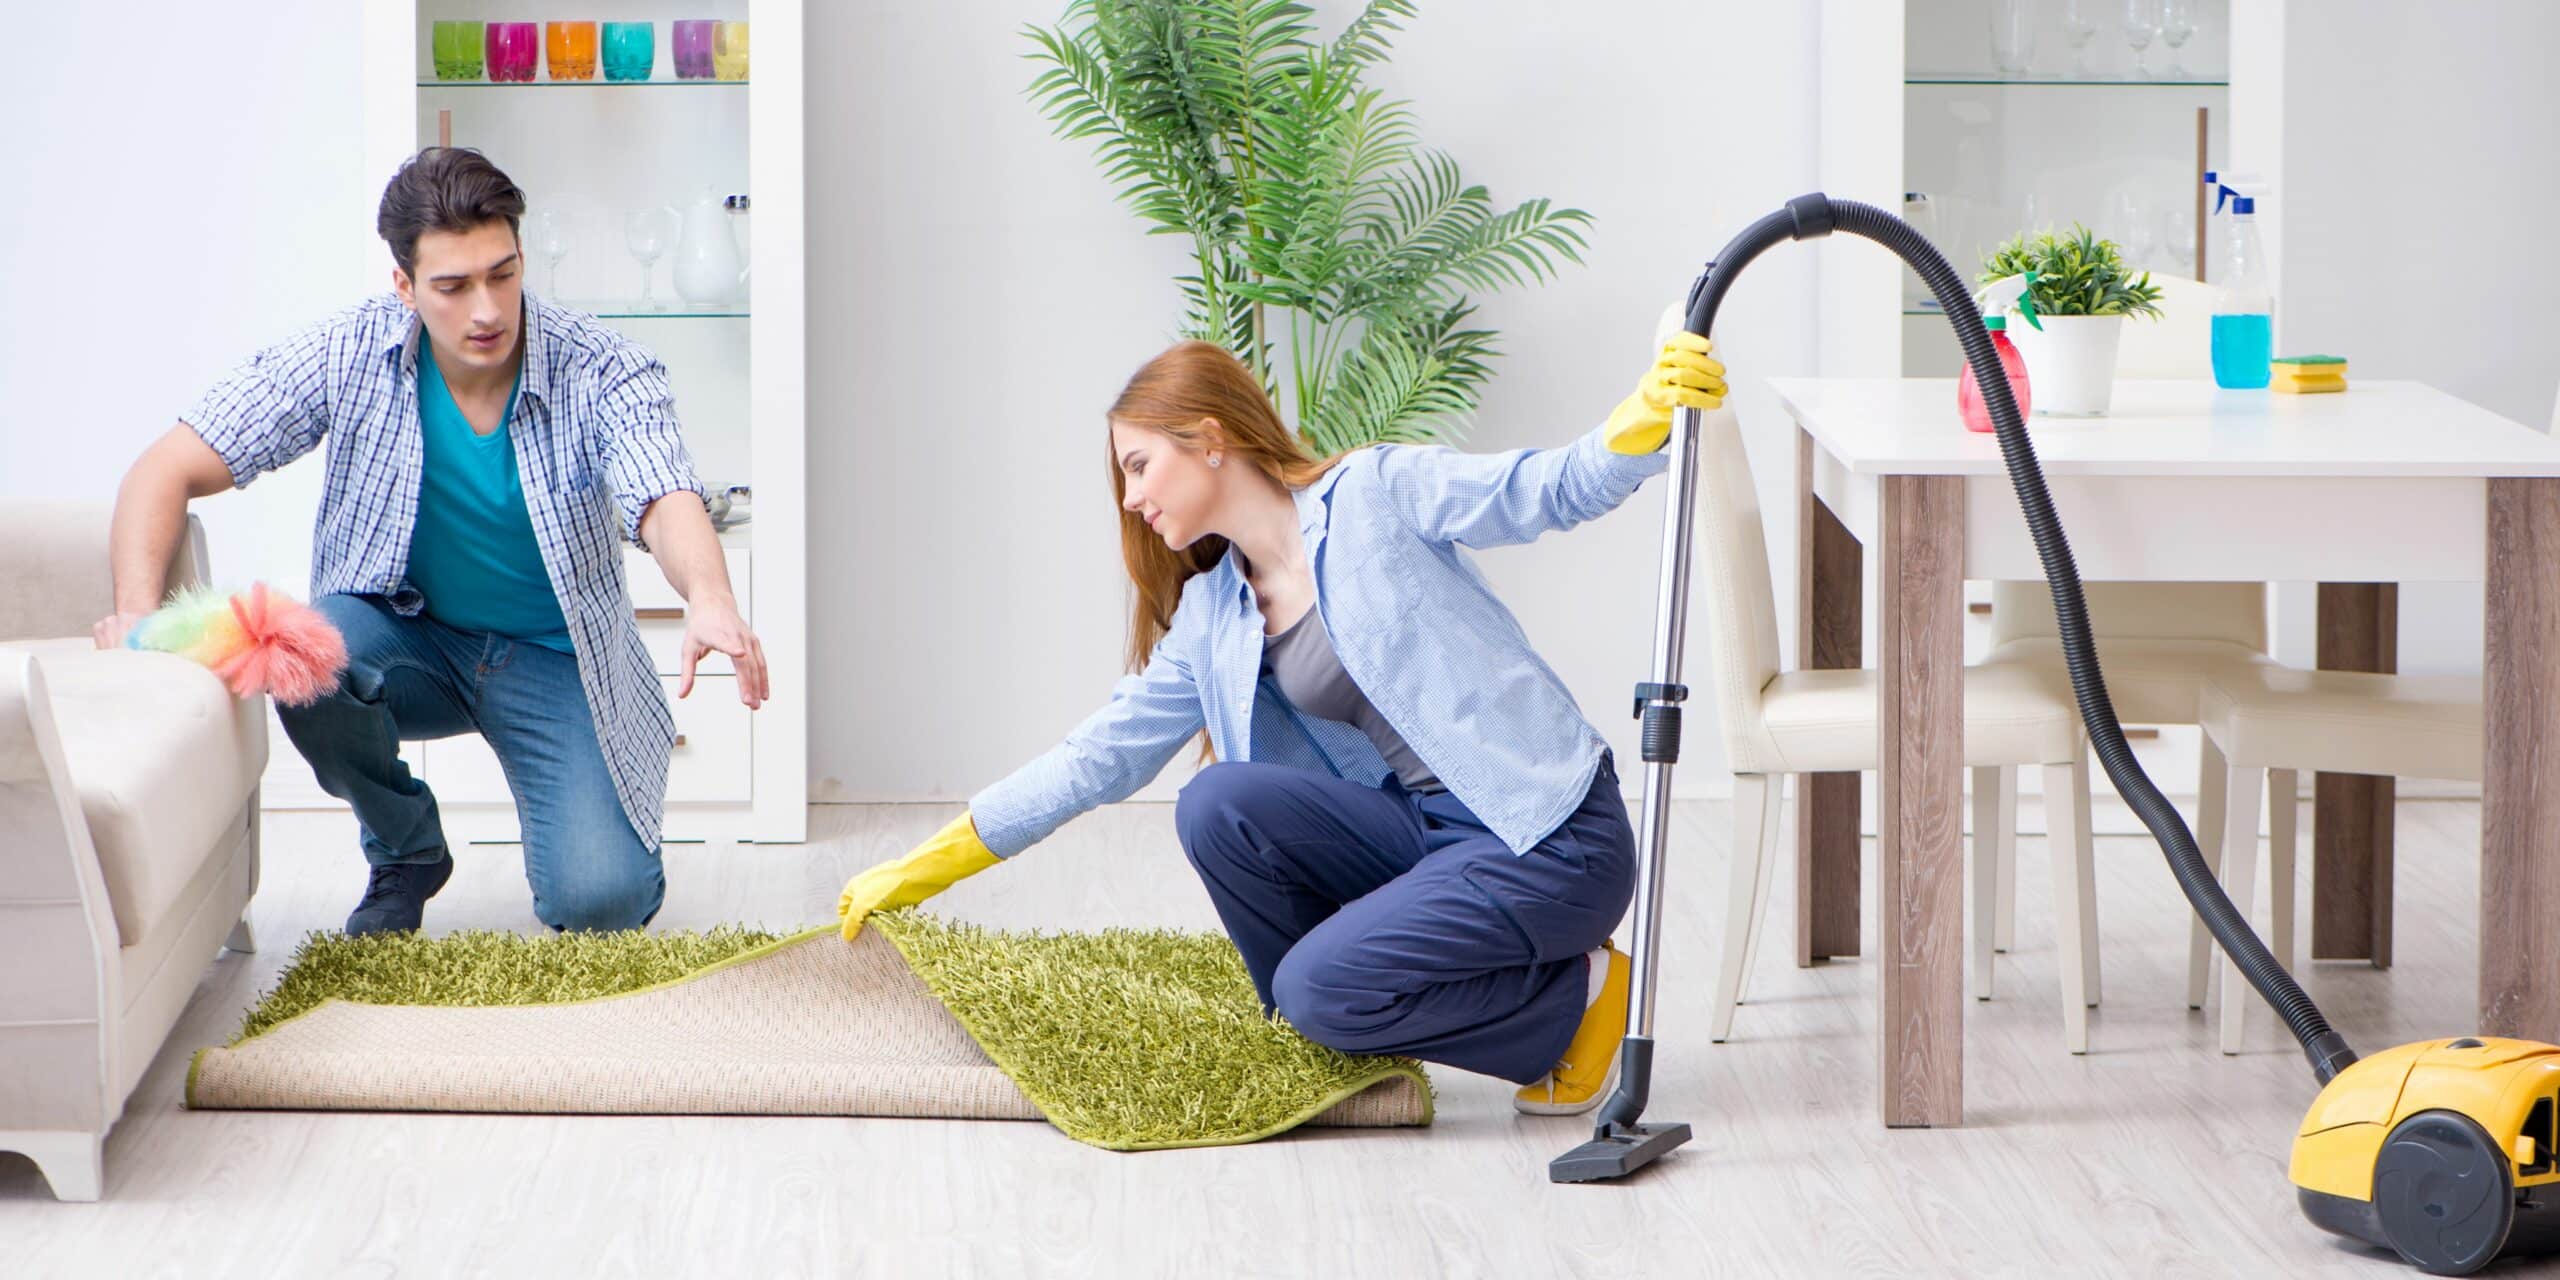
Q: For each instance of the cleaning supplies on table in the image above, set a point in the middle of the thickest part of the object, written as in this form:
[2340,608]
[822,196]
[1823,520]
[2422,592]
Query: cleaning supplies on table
[1977,415]
[2244,310]
[2309,375]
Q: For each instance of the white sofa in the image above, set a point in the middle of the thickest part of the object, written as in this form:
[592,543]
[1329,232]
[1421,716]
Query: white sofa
[128,839]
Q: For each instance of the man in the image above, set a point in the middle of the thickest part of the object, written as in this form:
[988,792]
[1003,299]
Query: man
[488,452]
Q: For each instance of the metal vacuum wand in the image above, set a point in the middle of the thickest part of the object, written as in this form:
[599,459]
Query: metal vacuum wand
[1619,1145]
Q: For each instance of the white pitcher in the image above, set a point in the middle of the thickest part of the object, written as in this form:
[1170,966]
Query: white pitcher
[709,268]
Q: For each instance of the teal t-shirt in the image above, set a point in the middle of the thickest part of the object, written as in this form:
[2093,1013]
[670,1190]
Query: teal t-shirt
[472,551]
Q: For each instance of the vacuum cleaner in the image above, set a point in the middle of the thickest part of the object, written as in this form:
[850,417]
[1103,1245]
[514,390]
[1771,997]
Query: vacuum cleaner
[2445,1151]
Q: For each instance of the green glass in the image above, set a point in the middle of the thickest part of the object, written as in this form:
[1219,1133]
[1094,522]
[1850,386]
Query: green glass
[458,50]
[630,50]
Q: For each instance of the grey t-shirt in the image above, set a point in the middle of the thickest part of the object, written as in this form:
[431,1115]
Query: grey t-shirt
[1310,674]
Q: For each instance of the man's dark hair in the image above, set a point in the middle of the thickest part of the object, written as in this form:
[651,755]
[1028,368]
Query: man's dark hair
[444,189]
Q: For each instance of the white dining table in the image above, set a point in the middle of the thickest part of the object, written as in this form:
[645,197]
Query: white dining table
[2390,482]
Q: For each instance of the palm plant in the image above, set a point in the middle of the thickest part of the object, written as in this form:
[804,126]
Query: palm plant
[1305,194]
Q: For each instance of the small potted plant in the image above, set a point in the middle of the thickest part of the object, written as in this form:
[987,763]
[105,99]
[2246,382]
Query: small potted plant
[2073,292]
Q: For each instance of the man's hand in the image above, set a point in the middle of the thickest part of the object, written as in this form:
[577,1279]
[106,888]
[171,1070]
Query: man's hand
[111,630]
[678,531]
[714,625]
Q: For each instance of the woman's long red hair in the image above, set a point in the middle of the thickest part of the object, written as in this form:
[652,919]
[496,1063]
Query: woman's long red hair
[1179,393]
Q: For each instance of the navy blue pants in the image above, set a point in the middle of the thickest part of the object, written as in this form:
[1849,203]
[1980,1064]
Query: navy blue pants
[1377,920]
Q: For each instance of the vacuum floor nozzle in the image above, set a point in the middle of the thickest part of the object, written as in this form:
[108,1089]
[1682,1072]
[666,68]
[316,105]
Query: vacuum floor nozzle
[1616,1152]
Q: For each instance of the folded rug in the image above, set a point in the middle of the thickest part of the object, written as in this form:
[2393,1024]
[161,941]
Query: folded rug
[1126,1039]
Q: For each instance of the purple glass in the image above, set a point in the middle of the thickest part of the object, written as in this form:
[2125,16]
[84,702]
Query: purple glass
[693,48]
[515,48]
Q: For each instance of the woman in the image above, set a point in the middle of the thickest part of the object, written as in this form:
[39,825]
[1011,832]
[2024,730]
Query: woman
[1413,836]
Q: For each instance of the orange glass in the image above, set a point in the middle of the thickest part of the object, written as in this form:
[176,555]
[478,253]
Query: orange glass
[571,47]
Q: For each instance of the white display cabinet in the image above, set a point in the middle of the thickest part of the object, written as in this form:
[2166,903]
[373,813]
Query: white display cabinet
[592,152]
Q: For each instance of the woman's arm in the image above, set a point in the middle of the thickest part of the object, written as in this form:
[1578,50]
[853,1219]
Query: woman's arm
[1498,499]
[1117,750]
[1114,752]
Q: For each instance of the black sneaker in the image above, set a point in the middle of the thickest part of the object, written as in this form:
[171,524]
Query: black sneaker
[396,898]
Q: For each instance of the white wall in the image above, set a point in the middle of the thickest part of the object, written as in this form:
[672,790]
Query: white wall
[977,298]
[2411,204]
[170,209]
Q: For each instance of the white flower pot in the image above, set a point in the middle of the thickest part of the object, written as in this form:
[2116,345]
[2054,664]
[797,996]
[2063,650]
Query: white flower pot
[2071,362]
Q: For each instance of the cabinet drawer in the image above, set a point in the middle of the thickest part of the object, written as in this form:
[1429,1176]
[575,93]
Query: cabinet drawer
[650,588]
[661,613]
[712,759]
[663,637]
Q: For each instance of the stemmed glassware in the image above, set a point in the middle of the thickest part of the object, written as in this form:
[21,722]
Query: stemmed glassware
[647,233]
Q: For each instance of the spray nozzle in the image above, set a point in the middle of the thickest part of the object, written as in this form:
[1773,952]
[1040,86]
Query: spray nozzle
[2231,186]
[2009,291]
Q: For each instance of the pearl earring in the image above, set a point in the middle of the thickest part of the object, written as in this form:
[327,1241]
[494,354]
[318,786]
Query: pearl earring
[1213,459]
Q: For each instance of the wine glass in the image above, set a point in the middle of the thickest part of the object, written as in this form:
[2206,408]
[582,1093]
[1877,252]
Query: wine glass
[2141,23]
[2013,36]
[2080,26]
[2131,226]
[2178,233]
[551,240]
[645,232]
[2177,26]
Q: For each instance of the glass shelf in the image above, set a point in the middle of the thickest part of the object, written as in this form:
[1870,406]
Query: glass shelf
[598,83]
[2085,82]
[668,309]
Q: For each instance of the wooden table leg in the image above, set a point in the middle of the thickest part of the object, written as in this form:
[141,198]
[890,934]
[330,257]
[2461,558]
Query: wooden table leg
[1920,864]
[2519,796]
[1829,633]
[2351,813]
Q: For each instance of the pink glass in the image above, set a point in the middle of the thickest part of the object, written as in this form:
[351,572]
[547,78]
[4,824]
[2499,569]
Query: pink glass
[693,48]
[515,48]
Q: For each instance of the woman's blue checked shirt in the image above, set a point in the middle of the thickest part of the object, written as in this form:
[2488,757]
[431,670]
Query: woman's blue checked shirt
[595,441]
[1417,628]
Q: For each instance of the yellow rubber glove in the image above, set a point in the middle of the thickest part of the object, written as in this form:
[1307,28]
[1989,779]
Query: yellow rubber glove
[953,854]
[1684,376]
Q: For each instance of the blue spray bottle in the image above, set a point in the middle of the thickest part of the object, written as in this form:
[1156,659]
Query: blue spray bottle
[2244,310]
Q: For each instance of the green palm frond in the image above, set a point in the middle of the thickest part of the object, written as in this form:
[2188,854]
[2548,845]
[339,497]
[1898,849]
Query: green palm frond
[1317,219]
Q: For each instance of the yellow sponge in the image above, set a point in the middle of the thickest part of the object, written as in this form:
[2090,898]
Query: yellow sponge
[2308,375]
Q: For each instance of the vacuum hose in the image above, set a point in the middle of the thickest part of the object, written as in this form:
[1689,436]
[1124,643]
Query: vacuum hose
[1814,215]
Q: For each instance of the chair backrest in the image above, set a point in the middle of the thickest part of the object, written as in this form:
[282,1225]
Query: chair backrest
[1741,615]
[2179,344]
[1729,553]
[2233,611]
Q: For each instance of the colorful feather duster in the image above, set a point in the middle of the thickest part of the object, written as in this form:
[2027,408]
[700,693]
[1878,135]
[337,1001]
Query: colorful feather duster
[258,641]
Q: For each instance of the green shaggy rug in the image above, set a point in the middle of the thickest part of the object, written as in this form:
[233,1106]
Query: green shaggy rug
[1125,1039]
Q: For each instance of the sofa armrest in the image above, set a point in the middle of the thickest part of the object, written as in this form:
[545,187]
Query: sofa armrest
[56,577]
[60,963]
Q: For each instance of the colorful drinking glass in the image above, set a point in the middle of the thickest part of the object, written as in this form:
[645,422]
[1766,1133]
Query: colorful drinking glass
[630,50]
[514,48]
[572,50]
[458,47]
[729,51]
[693,48]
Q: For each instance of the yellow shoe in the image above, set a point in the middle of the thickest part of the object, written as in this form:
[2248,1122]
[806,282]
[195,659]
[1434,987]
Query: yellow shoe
[1589,1068]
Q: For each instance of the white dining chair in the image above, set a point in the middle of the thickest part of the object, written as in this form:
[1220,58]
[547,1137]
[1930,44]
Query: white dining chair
[2276,722]
[1776,722]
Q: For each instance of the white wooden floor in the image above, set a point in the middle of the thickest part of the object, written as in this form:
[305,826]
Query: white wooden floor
[2154,1155]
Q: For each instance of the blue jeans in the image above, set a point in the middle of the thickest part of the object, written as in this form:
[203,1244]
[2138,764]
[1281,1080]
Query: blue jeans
[1378,920]
[414,678]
